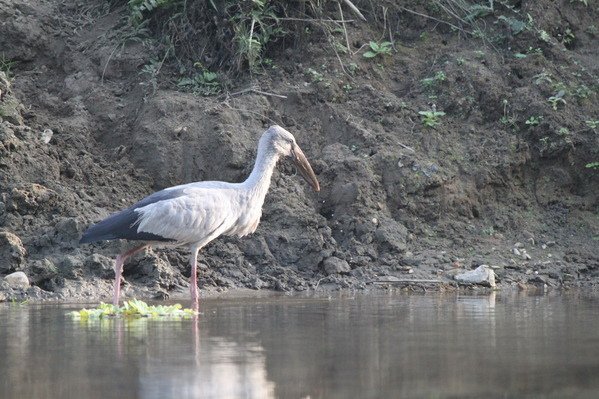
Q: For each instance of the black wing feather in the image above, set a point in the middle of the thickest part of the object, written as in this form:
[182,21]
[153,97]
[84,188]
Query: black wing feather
[123,224]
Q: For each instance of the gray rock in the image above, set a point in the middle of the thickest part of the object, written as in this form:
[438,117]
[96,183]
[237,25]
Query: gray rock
[17,280]
[482,275]
[392,235]
[334,265]
[12,252]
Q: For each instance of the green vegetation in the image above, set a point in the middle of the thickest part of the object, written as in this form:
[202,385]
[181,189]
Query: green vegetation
[563,131]
[543,77]
[593,124]
[593,165]
[253,31]
[432,82]
[534,120]
[568,36]
[314,75]
[204,82]
[6,65]
[133,308]
[544,36]
[582,91]
[506,118]
[230,36]
[515,25]
[431,118]
[557,99]
[378,49]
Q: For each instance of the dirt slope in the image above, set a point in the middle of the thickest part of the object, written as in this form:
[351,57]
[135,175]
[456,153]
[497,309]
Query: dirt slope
[84,133]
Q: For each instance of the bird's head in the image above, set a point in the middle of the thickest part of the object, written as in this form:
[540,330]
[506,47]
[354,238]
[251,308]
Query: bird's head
[283,142]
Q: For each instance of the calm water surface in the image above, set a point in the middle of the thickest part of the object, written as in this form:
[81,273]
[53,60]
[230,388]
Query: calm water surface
[382,346]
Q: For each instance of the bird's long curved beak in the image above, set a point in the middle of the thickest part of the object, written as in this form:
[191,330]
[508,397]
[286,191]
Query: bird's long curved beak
[304,167]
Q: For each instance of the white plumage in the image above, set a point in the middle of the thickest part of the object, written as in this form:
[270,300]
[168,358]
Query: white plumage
[194,214]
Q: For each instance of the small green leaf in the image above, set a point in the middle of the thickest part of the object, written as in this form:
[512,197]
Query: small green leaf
[520,55]
[369,54]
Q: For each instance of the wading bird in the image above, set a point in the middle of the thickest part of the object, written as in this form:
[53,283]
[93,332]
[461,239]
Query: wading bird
[196,213]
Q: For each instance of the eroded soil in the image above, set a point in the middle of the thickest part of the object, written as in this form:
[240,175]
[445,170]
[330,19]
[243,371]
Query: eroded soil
[399,200]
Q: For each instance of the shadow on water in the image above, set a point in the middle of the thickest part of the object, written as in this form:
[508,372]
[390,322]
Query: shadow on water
[360,346]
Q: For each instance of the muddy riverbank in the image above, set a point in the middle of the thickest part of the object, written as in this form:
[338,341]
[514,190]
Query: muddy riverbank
[500,179]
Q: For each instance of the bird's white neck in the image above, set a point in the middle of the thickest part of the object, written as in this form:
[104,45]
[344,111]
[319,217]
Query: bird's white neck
[258,181]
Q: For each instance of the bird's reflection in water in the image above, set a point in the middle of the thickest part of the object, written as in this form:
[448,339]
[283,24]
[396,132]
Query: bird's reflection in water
[198,365]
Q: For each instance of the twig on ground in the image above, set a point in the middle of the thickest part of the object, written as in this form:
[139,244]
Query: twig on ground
[404,281]
[338,21]
[254,90]
[407,147]
[436,19]
[354,9]
[344,28]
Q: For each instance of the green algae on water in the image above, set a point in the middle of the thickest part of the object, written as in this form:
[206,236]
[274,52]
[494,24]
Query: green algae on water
[133,308]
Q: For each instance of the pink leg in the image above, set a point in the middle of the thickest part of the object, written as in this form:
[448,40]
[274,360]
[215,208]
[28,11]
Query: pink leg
[118,270]
[193,280]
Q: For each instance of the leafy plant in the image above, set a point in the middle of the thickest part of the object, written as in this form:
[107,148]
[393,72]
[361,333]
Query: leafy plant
[314,75]
[378,49]
[516,26]
[506,118]
[568,37]
[6,65]
[557,99]
[564,131]
[543,77]
[534,120]
[205,83]
[544,36]
[151,71]
[431,118]
[138,8]
[593,165]
[254,30]
[133,308]
[431,82]
[475,11]
[593,124]
[582,91]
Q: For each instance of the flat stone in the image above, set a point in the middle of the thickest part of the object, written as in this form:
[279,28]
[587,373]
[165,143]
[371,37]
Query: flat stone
[483,275]
[17,280]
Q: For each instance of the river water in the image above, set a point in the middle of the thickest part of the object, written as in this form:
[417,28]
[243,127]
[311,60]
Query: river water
[349,346]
